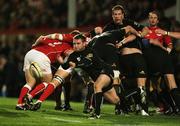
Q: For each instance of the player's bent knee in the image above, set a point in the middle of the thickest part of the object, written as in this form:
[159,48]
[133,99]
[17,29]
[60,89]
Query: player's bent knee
[97,88]
[116,100]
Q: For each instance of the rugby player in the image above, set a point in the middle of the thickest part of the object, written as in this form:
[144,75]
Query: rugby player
[37,63]
[99,71]
[131,61]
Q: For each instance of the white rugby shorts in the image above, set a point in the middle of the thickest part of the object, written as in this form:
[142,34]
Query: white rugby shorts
[40,58]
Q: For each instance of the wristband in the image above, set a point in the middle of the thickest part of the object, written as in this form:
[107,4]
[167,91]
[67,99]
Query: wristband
[168,49]
[122,42]
[166,33]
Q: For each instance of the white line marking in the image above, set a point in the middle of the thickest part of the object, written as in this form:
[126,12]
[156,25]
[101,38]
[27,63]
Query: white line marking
[64,120]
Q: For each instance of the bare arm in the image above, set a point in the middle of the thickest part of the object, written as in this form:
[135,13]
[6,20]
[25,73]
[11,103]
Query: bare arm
[175,34]
[131,37]
[55,36]
[39,40]
[172,34]
[144,32]
[129,29]
[126,40]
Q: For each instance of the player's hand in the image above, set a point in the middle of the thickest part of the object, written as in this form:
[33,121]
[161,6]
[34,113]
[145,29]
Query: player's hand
[118,45]
[98,30]
[68,52]
[160,31]
[122,42]
[41,38]
[60,59]
[72,64]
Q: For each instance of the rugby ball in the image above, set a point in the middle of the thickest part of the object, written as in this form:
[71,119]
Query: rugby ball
[35,71]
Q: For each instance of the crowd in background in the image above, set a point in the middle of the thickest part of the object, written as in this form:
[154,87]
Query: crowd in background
[12,51]
[24,14]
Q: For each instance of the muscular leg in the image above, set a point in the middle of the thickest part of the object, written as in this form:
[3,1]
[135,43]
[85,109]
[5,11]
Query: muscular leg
[89,97]
[30,82]
[113,98]
[67,88]
[57,94]
[170,80]
[142,95]
[120,94]
[39,88]
[54,83]
[60,75]
[141,86]
[102,81]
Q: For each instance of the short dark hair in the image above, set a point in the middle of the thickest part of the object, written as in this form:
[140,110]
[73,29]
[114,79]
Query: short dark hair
[80,36]
[156,13]
[118,7]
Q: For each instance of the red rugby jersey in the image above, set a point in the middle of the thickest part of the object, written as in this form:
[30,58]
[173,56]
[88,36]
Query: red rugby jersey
[53,47]
[164,40]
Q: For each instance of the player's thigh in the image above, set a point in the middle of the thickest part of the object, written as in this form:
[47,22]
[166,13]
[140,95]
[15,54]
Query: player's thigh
[102,81]
[47,77]
[30,80]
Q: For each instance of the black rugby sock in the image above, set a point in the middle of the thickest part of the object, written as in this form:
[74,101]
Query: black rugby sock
[98,100]
[67,87]
[176,96]
[57,94]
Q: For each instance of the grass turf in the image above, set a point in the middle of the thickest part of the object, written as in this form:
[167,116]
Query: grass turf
[47,116]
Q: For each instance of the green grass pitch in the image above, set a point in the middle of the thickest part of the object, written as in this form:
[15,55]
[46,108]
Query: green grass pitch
[47,116]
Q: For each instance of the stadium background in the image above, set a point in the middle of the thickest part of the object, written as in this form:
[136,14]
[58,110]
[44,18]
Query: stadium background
[22,21]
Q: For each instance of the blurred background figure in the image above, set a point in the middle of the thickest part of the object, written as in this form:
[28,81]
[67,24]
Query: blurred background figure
[3,86]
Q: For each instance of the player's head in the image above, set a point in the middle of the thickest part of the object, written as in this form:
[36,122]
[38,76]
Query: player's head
[79,42]
[118,14]
[153,18]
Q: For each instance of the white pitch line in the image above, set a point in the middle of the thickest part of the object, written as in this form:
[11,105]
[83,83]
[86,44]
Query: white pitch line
[64,120]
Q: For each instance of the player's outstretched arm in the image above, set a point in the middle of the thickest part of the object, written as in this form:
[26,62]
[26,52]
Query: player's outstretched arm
[171,34]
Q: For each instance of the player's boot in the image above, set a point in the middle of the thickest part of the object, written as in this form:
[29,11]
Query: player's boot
[94,116]
[86,107]
[58,107]
[21,107]
[36,106]
[28,102]
[144,113]
[168,111]
[119,112]
[67,107]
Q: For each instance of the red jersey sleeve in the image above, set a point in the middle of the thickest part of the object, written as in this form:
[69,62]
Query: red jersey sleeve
[167,40]
[47,41]
[67,38]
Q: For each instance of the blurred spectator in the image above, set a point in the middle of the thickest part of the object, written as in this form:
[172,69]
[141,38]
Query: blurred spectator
[23,14]
[12,51]
[3,87]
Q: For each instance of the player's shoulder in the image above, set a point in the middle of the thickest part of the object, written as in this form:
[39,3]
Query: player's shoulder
[108,26]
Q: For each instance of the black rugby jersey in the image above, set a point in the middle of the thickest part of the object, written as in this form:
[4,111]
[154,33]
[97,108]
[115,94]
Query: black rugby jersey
[89,62]
[112,26]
